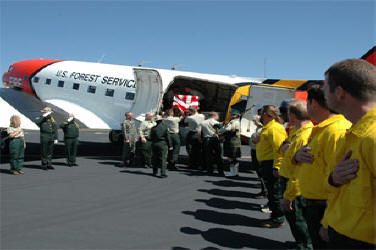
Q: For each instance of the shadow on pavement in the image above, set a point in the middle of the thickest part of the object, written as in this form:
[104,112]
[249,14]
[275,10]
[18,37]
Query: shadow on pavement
[231,183]
[228,193]
[137,172]
[224,218]
[226,204]
[231,239]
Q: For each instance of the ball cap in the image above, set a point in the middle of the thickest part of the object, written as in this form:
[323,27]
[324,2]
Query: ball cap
[235,112]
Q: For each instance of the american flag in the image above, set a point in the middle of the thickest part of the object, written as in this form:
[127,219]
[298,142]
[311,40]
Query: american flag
[184,102]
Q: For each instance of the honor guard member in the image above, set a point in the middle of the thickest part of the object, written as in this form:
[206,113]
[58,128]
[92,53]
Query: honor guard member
[350,218]
[268,143]
[211,146]
[193,144]
[71,133]
[172,123]
[160,143]
[312,160]
[17,145]
[232,143]
[48,136]
[144,142]
[293,206]
[130,139]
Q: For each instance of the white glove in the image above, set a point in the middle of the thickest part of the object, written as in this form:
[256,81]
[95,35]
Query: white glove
[56,141]
[70,119]
[171,148]
[47,114]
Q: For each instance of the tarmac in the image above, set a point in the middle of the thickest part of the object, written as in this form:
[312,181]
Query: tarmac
[101,206]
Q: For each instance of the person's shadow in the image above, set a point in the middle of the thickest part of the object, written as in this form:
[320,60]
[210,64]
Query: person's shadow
[227,204]
[227,193]
[224,218]
[230,239]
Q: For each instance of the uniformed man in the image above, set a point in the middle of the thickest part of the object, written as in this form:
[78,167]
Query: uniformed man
[349,222]
[160,143]
[312,161]
[17,145]
[130,139]
[172,123]
[268,144]
[48,136]
[232,143]
[71,133]
[293,206]
[193,143]
[144,141]
[211,146]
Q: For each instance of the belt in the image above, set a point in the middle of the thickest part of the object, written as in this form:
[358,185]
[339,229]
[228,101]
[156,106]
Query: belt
[315,203]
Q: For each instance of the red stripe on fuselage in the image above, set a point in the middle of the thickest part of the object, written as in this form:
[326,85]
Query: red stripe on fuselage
[20,73]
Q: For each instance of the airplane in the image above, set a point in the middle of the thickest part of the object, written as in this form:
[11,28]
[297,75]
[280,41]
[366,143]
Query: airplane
[100,94]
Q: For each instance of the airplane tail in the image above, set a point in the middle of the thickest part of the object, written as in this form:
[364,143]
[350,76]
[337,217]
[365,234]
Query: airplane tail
[370,56]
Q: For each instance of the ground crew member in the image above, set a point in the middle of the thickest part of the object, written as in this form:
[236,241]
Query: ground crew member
[48,136]
[17,145]
[160,140]
[232,143]
[268,144]
[172,124]
[71,133]
[293,206]
[130,139]
[193,143]
[350,89]
[144,142]
[312,160]
[211,146]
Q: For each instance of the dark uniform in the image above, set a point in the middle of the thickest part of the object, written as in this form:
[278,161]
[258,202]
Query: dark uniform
[48,134]
[211,146]
[193,144]
[160,142]
[71,133]
[172,124]
[129,149]
[16,150]
[145,148]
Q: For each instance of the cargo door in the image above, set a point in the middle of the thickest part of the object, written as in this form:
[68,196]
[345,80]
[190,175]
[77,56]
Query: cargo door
[149,92]
[260,95]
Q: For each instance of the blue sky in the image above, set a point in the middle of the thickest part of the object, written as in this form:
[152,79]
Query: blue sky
[299,39]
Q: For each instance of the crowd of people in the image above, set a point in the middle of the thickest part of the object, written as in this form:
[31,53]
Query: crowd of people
[316,159]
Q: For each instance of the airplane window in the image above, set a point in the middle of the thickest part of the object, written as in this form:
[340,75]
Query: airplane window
[91,89]
[36,79]
[48,81]
[25,78]
[60,84]
[76,86]
[129,96]
[110,92]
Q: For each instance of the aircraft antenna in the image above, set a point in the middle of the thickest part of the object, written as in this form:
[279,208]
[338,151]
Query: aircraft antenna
[173,67]
[101,59]
[140,63]
[264,67]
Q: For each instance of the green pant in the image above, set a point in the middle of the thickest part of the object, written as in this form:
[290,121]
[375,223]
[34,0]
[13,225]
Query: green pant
[145,153]
[273,185]
[47,148]
[159,151]
[173,155]
[313,212]
[128,152]
[193,146]
[296,220]
[71,149]
[212,153]
[16,150]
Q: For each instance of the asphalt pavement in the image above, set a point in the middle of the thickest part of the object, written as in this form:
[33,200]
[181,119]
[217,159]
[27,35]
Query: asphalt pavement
[101,206]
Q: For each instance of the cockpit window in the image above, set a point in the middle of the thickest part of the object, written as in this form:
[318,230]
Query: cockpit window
[25,78]
[10,68]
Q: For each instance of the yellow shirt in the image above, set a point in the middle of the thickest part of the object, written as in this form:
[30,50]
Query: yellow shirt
[351,207]
[323,144]
[272,136]
[299,139]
